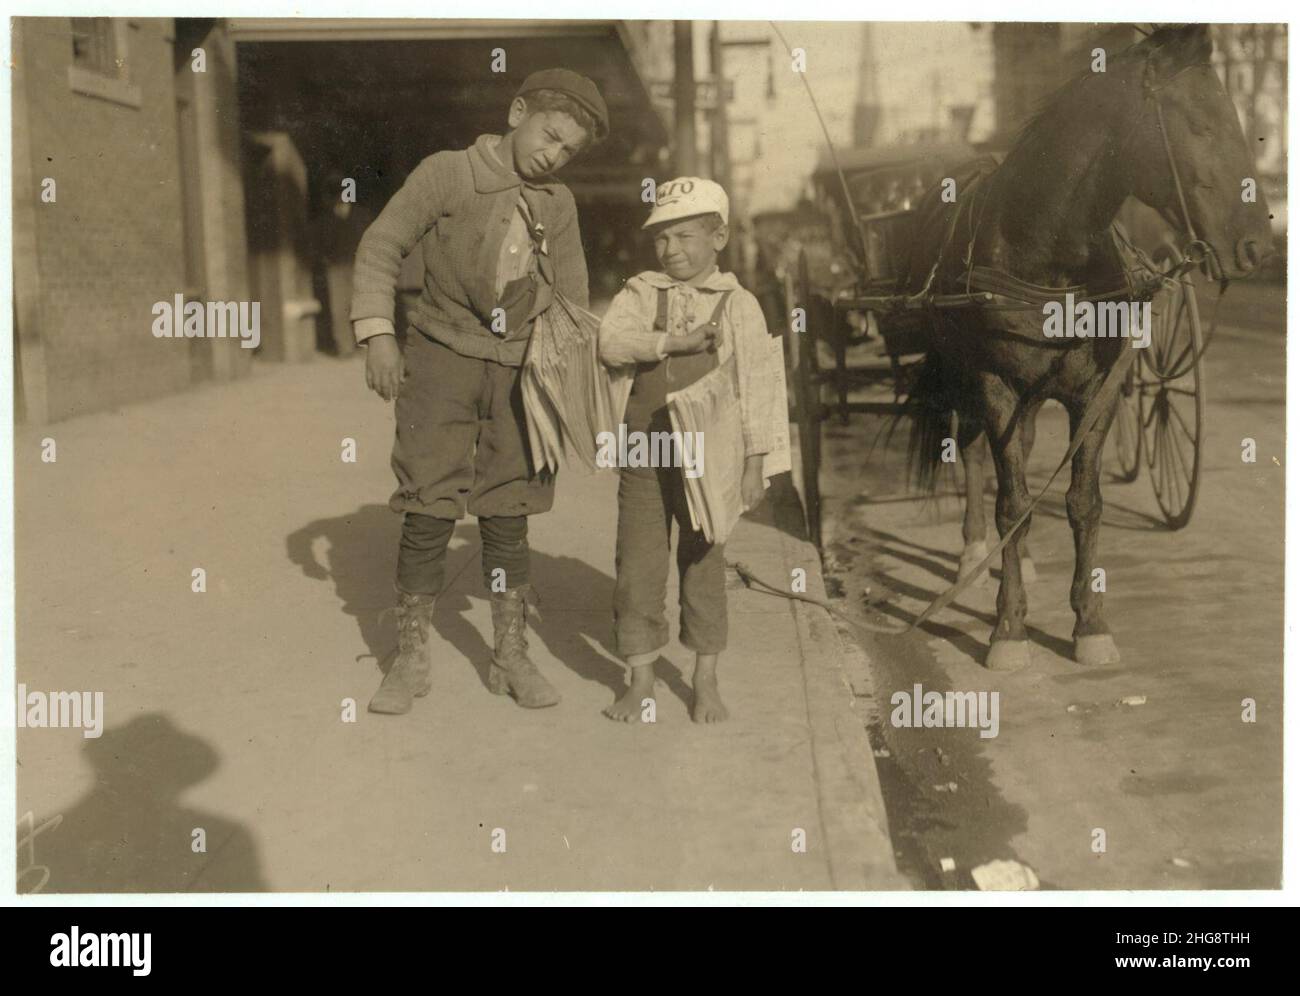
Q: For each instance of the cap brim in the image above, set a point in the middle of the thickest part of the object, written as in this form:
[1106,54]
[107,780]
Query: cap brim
[657,219]
[601,117]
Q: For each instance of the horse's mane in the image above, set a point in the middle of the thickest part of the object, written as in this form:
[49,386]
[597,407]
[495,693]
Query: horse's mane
[1046,114]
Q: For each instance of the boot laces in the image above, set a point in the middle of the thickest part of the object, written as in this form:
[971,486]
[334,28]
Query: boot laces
[513,636]
[412,623]
[412,627]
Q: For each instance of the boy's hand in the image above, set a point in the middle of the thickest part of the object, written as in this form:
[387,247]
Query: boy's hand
[384,370]
[705,337]
[751,482]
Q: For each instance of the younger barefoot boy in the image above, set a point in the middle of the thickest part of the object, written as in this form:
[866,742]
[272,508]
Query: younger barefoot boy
[662,332]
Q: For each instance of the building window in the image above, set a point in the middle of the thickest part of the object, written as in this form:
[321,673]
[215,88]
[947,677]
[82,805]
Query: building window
[94,45]
[100,59]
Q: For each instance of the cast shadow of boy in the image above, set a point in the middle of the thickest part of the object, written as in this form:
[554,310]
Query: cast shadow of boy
[359,560]
[130,833]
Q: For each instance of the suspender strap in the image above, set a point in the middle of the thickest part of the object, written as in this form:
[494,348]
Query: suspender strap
[716,317]
[661,311]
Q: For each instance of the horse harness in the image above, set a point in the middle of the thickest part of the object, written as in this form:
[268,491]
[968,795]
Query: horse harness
[1140,279]
[1137,277]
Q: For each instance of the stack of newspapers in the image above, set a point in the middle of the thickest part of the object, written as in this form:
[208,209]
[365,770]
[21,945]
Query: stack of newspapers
[711,407]
[568,400]
[566,390]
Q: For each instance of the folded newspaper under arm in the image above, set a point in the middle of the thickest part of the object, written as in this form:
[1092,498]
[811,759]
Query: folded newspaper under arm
[712,406]
[569,400]
[567,392]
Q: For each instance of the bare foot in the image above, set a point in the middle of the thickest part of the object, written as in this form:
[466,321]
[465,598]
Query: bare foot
[630,704]
[708,707]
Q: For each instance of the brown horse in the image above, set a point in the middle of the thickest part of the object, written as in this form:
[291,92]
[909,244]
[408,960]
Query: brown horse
[1156,125]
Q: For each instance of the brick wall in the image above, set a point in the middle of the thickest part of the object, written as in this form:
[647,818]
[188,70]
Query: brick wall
[112,244]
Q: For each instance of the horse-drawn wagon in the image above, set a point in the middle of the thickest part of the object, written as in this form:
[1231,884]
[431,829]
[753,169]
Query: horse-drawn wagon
[862,258]
[848,293]
[975,277]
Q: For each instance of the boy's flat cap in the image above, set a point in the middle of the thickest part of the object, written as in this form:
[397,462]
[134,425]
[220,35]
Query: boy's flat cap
[687,197]
[577,86]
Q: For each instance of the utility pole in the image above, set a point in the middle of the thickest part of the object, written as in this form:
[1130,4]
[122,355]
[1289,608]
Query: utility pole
[719,138]
[684,97]
[867,108]
[719,142]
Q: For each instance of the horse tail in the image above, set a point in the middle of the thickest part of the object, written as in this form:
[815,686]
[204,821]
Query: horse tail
[930,405]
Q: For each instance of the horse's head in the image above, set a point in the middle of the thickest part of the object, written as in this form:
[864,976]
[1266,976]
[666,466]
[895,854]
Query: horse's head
[1207,148]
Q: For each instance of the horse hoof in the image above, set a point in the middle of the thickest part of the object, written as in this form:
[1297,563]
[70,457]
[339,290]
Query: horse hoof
[1028,572]
[1008,655]
[971,557]
[1099,648]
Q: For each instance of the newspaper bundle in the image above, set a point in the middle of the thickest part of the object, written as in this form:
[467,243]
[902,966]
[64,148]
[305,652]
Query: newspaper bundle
[566,390]
[569,401]
[712,406]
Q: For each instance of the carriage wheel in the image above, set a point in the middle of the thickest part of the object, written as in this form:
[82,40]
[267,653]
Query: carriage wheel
[1127,429]
[1171,398]
[808,398]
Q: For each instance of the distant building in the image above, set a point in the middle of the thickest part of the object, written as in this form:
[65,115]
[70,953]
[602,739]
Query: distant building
[126,192]
[880,83]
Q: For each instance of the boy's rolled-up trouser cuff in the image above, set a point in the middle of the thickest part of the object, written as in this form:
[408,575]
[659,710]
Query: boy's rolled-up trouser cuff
[639,629]
[641,624]
[642,636]
[636,639]
[709,643]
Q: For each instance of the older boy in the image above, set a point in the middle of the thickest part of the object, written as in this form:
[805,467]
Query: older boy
[664,331]
[499,237]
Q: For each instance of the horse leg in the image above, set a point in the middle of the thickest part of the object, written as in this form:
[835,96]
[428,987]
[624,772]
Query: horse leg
[974,529]
[1028,572]
[1093,643]
[842,330]
[1009,644]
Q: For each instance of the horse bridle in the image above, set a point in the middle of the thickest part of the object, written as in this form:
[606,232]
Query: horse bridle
[1195,254]
[1197,251]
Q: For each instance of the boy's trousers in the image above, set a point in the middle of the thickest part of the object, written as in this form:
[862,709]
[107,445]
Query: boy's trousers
[461,446]
[649,500]
[462,443]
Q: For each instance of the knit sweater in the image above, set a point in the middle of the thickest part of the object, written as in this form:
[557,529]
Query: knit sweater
[457,207]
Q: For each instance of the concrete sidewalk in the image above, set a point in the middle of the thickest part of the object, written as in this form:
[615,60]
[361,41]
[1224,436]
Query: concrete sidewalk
[224,709]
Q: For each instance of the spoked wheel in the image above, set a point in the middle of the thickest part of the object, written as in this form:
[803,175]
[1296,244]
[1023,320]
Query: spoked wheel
[1171,400]
[1127,429]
